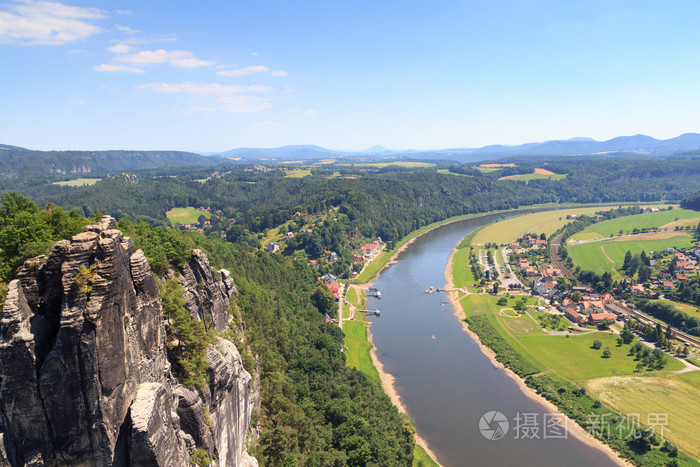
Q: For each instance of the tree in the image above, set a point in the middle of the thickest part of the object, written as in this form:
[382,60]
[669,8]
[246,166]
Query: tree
[503,301]
[495,288]
[607,353]
[605,325]
[627,335]
[576,296]
[626,262]
[669,332]
[543,236]
[597,344]
[323,299]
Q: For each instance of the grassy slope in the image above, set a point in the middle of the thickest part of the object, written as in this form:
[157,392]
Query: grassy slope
[639,221]
[547,222]
[185,215]
[592,256]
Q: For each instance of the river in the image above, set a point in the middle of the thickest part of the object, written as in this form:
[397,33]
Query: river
[446,383]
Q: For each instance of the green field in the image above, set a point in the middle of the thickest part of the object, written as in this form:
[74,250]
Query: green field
[547,222]
[78,182]
[692,378]
[571,358]
[357,347]
[185,215]
[673,397]
[608,255]
[297,173]
[627,224]
[461,270]
[528,177]
[691,310]
[447,172]
[574,359]
[404,164]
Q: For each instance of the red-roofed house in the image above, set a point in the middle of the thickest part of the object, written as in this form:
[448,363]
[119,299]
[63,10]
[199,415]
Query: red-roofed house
[573,316]
[668,285]
[369,248]
[597,318]
[637,289]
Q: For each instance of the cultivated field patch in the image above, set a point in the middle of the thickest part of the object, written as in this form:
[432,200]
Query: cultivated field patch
[673,397]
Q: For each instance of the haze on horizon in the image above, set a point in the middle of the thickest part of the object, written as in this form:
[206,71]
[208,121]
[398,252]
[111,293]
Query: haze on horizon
[215,75]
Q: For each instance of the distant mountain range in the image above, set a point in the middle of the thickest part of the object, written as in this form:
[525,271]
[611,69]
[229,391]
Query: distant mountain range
[21,162]
[637,144]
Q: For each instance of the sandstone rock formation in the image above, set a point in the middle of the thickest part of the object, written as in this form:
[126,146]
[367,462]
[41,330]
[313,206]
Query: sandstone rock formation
[84,374]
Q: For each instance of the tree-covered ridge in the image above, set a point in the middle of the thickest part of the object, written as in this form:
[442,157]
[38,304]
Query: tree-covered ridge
[27,231]
[19,162]
[691,201]
[315,410]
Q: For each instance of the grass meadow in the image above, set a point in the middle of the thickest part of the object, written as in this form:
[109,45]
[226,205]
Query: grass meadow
[78,182]
[627,224]
[546,222]
[185,215]
[609,255]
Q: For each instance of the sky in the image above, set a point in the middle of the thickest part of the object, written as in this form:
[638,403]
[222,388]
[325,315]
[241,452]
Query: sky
[209,75]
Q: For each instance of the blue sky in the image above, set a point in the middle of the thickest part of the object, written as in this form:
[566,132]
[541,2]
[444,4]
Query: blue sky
[214,75]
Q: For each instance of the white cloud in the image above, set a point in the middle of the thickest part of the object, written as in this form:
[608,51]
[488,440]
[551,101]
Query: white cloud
[240,104]
[123,12]
[119,49]
[127,30]
[304,112]
[244,71]
[259,88]
[113,68]
[175,58]
[227,98]
[32,22]
[188,87]
[254,54]
[279,73]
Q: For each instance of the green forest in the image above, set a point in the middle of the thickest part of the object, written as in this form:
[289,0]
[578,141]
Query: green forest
[315,410]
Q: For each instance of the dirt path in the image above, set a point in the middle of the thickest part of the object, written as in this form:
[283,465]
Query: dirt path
[606,254]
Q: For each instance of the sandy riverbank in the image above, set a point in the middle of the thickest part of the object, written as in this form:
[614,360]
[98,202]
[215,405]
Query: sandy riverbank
[388,380]
[573,428]
[389,386]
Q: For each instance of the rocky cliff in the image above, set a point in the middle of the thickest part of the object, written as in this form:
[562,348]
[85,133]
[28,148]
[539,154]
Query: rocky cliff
[84,374]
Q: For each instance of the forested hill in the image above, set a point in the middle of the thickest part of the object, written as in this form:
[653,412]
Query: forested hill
[314,409]
[19,162]
[691,202]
